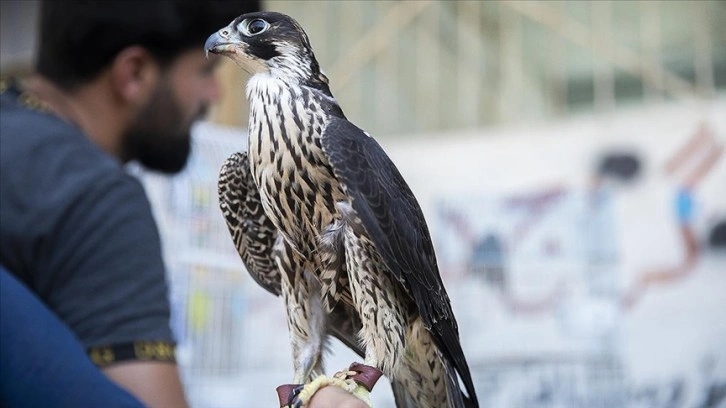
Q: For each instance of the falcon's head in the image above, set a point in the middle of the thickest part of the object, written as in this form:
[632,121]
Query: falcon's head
[268,42]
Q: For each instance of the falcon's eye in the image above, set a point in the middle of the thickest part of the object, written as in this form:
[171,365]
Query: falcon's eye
[257,26]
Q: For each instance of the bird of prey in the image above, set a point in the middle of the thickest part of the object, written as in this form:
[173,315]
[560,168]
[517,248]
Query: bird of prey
[321,216]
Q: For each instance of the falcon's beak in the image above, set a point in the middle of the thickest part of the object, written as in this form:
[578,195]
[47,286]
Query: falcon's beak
[227,42]
[219,43]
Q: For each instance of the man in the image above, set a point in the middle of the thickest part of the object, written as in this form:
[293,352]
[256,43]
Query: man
[116,81]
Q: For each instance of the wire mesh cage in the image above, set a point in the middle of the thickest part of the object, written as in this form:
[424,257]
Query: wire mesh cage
[227,328]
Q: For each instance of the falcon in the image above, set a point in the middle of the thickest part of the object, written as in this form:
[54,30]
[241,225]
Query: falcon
[321,216]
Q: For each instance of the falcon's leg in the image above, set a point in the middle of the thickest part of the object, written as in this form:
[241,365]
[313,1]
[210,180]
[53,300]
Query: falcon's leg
[378,300]
[306,319]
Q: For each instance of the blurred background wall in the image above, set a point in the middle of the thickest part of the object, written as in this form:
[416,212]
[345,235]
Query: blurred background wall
[407,67]
[568,156]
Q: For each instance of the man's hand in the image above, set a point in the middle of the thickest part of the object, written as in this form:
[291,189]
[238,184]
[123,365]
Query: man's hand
[335,397]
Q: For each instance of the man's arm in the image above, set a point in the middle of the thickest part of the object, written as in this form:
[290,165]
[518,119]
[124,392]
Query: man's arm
[110,289]
[155,383]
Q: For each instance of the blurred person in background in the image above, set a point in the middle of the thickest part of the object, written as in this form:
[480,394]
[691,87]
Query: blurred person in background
[115,81]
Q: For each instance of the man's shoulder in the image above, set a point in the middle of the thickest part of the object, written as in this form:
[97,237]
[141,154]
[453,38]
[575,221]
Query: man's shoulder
[48,167]
[47,152]
[30,133]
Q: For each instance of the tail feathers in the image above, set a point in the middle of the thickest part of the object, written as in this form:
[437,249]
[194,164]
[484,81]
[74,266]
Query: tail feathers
[455,362]
[402,397]
[428,378]
[412,389]
[457,399]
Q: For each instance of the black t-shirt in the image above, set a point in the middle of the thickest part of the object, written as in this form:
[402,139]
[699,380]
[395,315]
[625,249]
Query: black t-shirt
[79,232]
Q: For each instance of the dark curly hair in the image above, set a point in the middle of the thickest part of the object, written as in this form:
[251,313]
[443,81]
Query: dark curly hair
[79,38]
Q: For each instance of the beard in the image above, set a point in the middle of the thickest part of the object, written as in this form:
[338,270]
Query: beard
[160,137]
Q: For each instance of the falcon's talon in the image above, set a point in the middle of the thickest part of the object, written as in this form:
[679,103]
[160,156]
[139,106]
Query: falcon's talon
[292,398]
[364,375]
[286,393]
